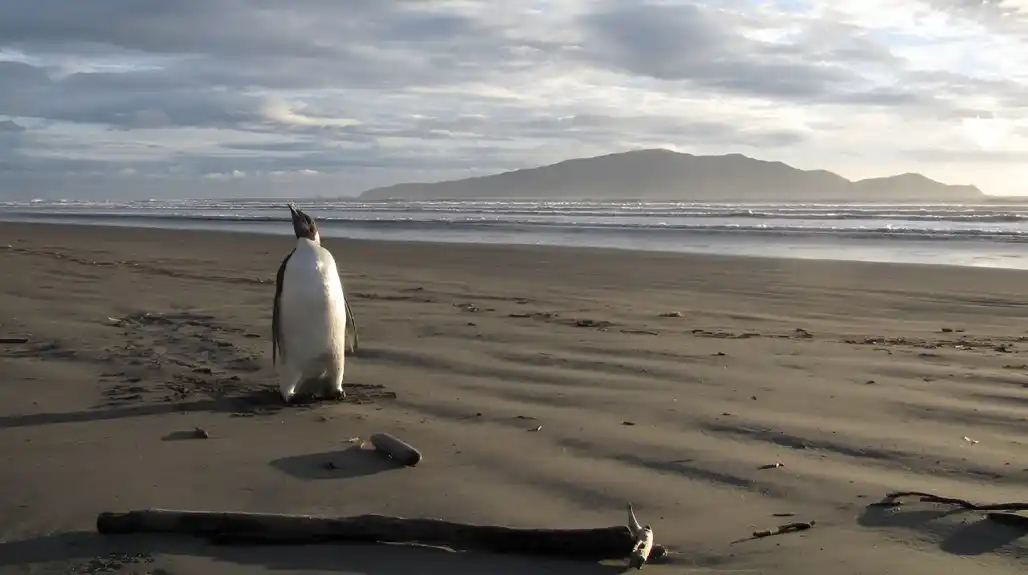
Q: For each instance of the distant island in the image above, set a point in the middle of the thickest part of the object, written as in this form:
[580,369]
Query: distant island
[658,174]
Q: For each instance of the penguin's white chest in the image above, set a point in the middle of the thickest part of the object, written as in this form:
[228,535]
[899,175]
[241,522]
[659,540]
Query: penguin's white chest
[313,308]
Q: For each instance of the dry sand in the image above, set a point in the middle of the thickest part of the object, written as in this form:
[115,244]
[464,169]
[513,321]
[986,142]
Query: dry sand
[839,371]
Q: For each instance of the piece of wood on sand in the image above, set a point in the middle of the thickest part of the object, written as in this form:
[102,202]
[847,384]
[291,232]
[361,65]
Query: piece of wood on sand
[643,545]
[399,450]
[13,340]
[616,542]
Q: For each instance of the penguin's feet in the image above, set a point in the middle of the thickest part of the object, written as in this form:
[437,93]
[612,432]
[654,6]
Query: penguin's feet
[307,398]
[336,394]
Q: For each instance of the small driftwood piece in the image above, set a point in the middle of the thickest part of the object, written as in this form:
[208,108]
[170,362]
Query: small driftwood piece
[264,528]
[786,528]
[1011,519]
[397,449]
[6,340]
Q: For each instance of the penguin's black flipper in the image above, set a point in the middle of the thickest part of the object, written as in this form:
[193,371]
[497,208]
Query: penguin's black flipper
[276,321]
[351,327]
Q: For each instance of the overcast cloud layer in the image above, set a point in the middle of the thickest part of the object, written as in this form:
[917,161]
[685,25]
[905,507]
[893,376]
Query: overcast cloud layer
[160,98]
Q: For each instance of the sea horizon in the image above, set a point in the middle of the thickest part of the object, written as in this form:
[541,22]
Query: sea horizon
[992,234]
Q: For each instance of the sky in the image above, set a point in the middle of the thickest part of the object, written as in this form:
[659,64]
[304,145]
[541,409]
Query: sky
[245,98]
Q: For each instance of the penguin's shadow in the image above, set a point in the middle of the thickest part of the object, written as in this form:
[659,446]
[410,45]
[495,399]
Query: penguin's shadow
[264,400]
[346,464]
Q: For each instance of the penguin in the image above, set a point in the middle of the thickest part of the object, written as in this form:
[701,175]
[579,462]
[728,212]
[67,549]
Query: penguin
[309,318]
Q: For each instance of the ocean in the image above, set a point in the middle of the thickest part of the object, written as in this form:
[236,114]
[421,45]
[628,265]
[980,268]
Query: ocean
[993,235]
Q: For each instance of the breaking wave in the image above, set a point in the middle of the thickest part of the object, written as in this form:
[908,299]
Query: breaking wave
[1003,223]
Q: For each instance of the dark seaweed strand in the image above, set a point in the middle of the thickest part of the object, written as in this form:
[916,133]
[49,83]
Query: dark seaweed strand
[890,500]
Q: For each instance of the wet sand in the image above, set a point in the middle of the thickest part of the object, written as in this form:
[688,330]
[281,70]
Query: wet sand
[545,387]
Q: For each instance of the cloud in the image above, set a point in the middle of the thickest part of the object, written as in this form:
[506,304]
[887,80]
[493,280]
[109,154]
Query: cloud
[259,97]
[709,49]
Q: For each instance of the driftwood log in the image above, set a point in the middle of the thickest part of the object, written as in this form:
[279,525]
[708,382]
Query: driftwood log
[6,340]
[401,451]
[643,545]
[615,542]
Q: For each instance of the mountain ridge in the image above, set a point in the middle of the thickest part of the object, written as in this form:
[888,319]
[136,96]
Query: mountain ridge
[660,174]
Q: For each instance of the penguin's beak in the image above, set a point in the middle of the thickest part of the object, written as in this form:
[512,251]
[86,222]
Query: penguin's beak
[294,213]
[302,224]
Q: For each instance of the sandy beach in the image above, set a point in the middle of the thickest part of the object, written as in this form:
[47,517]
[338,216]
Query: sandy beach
[545,387]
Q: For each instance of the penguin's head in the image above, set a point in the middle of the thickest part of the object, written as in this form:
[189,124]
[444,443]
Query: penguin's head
[304,225]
